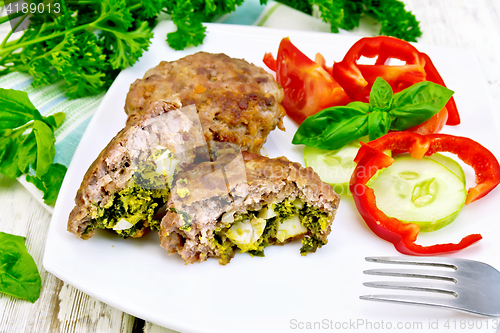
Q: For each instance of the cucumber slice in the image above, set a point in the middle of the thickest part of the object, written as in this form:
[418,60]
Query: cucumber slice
[423,192]
[334,167]
[451,164]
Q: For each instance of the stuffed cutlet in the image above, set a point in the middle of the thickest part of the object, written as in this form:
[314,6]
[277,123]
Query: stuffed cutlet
[237,102]
[131,178]
[244,202]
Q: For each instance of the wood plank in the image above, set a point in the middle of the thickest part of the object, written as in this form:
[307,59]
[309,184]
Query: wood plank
[60,308]
[152,328]
[467,24]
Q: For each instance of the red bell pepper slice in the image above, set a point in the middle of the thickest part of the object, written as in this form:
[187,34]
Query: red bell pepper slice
[371,158]
[309,87]
[357,79]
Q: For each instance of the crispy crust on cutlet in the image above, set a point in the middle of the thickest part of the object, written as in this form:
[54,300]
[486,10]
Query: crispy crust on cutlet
[263,171]
[237,102]
[113,168]
[266,181]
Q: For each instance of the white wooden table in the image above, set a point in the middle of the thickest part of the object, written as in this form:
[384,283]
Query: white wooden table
[468,24]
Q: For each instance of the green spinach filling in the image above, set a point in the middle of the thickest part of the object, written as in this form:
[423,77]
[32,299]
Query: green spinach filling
[133,204]
[275,224]
[132,209]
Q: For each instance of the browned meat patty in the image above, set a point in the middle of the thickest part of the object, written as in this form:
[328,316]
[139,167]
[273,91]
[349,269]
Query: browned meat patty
[245,202]
[237,102]
[125,186]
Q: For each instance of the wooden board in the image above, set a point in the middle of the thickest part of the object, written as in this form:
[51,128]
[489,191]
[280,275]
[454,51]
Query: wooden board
[469,24]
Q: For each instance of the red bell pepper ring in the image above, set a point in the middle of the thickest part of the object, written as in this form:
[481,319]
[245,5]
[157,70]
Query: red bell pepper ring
[357,79]
[370,159]
[433,75]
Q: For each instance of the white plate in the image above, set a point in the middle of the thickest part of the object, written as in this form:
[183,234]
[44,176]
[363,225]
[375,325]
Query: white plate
[283,291]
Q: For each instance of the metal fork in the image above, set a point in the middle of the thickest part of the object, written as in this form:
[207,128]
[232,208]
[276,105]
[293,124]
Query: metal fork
[467,285]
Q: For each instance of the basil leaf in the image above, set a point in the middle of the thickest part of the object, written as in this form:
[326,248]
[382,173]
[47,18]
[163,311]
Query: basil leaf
[379,123]
[4,144]
[50,183]
[345,132]
[55,120]
[9,166]
[332,128]
[15,108]
[36,181]
[45,147]
[361,106]
[380,94]
[27,152]
[5,133]
[53,180]
[417,103]
[19,276]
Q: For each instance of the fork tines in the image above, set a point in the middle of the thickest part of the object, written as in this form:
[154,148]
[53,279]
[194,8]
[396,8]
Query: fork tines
[461,284]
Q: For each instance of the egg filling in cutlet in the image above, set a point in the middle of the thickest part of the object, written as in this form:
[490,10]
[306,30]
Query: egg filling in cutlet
[274,224]
[244,202]
[132,210]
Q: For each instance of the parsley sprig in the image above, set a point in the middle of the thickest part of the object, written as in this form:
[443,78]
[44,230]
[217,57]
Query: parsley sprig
[346,14]
[92,40]
[85,46]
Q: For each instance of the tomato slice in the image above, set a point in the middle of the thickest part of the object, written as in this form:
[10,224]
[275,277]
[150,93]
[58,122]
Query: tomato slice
[320,60]
[308,86]
[270,61]
[433,125]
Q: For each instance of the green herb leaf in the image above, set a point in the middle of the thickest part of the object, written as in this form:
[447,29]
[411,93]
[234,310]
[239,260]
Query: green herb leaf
[332,128]
[55,120]
[19,151]
[379,123]
[363,107]
[16,108]
[50,183]
[380,94]
[53,180]
[85,47]
[346,14]
[129,45]
[418,103]
[37,182]
[190,30]
[152,8]
[331,12]
[27,152]
[4,144]
[9,166]
[19,276]
[45,150]
[394,19]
